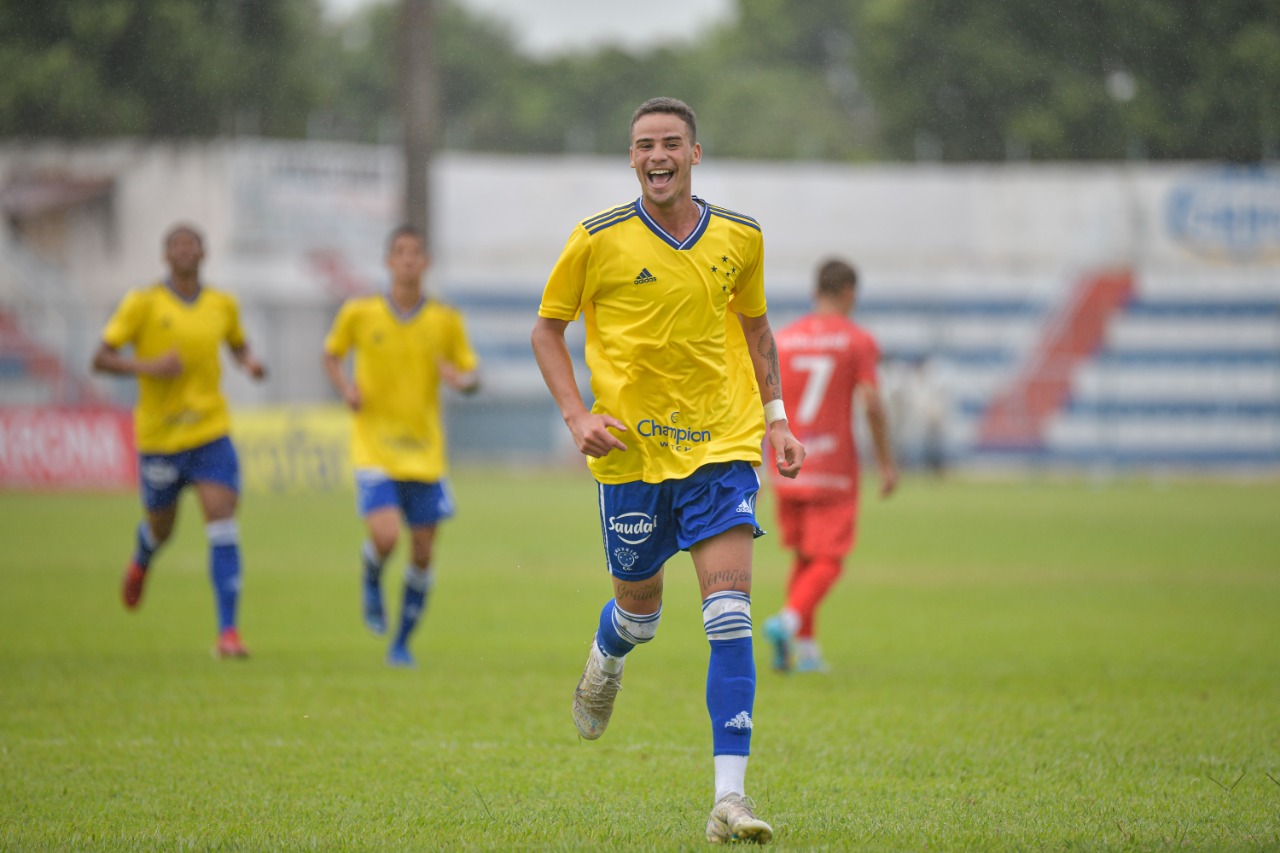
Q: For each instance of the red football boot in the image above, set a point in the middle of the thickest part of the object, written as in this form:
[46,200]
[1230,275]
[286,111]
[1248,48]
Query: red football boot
[229,645]
[131,588]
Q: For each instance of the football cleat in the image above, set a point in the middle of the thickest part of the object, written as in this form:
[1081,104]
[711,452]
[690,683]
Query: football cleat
[375,618]
[593,699]
[733,819]
[780,637]
[131,588]
[229,645]
[400,657]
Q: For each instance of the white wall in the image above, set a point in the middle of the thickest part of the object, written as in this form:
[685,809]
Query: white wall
[500,222]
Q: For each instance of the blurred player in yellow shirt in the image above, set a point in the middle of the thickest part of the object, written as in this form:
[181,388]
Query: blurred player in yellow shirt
[181,421]
[404,345]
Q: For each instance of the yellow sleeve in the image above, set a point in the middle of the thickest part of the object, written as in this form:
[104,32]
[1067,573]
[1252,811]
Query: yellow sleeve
[459,352]
[235,331]
[125,323]
[340,338]
[562,297]
[748,293]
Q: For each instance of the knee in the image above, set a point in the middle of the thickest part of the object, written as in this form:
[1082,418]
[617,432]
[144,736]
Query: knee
[383,540]
[727,615]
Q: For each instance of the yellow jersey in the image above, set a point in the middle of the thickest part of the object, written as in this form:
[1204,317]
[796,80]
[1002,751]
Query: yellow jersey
[663,342]
[188,410]
[398,429]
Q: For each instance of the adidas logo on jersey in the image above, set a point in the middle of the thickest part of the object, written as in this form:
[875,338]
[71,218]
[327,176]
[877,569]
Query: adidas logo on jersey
[745,506]
[742,721]
[645,277]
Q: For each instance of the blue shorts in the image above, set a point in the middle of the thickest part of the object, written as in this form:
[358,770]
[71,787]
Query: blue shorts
[163,475]
[645,524]
[421,504]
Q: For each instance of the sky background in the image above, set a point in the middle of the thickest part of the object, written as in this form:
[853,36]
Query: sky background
[550,27]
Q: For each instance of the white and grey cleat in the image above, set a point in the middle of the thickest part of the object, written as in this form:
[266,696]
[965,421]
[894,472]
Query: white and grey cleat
[734,819]
[593,699]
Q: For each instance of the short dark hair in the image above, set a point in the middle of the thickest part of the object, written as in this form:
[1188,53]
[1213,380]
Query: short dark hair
[835,277]
[670,106]
[183,228]
[407,229]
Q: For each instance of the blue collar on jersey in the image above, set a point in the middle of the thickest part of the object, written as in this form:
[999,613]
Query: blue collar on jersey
[688,242]
[404,315]
[190,300]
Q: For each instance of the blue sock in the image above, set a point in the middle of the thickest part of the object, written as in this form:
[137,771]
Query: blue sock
[731,672]
[224,569]
[607,636]
[146,545]
[417,587]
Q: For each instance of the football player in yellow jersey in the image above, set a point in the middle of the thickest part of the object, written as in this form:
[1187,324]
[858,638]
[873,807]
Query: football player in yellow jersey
[686,383]
[181,422]
[404,346]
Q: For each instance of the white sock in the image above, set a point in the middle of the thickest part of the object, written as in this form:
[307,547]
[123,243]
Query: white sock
[608,663]
[731,775]
[807,648]
[418,579]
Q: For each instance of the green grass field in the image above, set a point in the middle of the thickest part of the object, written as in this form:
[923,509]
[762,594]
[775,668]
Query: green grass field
[1016,666]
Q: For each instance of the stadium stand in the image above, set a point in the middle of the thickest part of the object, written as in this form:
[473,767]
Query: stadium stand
[991,288]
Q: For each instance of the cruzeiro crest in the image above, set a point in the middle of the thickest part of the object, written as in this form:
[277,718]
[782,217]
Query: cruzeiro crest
[625,557]
[728,270]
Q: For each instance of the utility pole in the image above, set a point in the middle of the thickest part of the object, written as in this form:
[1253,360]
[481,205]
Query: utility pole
[419,108]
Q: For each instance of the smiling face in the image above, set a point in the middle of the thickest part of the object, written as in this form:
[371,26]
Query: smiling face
[663,154]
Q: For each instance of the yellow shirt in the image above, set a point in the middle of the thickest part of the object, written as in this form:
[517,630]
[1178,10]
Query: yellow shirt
[664,345]
[188,410]
[397,428]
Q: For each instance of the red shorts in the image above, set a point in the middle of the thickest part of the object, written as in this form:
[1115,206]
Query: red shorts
[818,528]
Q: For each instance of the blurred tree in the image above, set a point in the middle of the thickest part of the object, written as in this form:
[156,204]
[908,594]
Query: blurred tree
[481,78]
[794,64]
[81,68]
[795,69]
[823,79]
[1080,79]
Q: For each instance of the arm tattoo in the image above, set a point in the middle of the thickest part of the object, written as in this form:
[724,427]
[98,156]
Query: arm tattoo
[768,348]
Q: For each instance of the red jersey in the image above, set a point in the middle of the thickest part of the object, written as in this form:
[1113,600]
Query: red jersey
[823,358]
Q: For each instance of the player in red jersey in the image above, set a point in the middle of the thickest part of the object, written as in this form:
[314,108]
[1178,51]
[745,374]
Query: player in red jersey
[826,360]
